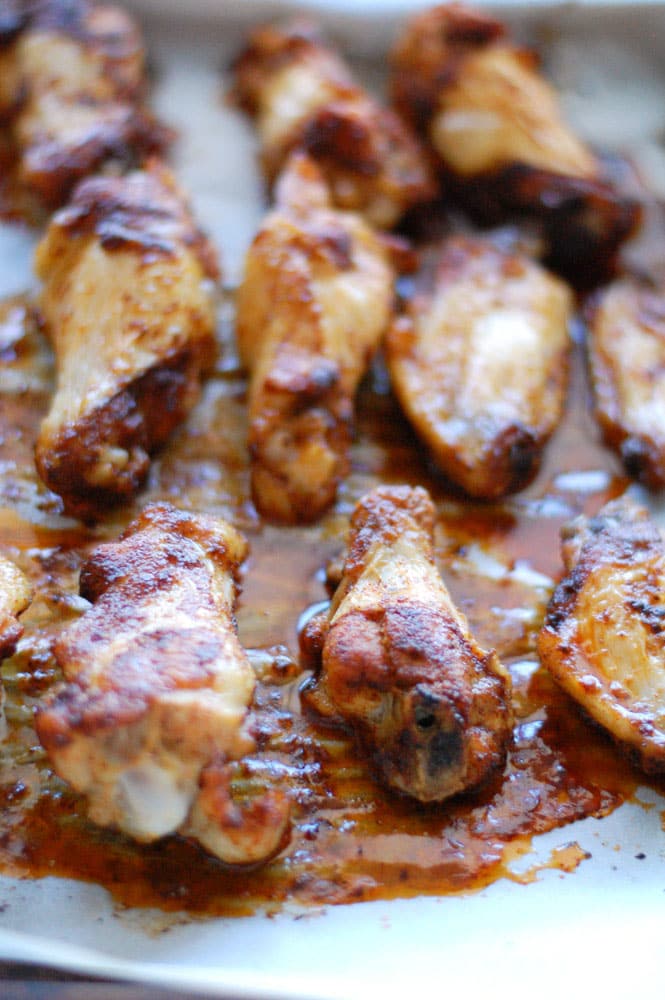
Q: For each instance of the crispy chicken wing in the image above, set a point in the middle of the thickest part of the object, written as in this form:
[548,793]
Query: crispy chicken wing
[479,365]
[504,147]
[626,344]
[603,638]
[128,304]
[157,687]
[304,96]
[71,81]
[14,598]
[397,660]
[316,297]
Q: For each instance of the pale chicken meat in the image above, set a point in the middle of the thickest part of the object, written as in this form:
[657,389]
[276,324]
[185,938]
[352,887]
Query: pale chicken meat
[71,88]
[396,660]
[153,710]
[603,638]
[128,303]
[502,142]
[302,95]
[15,594]
[314,302]
[479,364]
[626,346]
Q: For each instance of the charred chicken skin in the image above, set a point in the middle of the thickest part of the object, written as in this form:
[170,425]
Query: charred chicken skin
[315,300]
[479,364]
[154,705]
[503,145]
[303,96]
[14,598]
[129,307]
[603,638]
[71,82]
[398,663]
[626,344]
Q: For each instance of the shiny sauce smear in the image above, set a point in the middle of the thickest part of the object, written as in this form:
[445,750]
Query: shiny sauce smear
[350,839]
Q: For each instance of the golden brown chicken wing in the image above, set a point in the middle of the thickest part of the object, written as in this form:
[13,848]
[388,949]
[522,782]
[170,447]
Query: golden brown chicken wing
[157,687]
[626,344]
[316,297]
[397,660]
[503,145]
[128,304]
[603,638]
[479,365]
[302,95]
[71,82]
[14,598]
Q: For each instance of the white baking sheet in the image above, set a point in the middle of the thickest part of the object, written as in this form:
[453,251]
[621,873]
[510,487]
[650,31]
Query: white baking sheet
[598,928]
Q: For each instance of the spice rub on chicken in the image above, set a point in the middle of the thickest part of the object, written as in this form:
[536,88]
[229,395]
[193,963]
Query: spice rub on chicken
[397,660]
[71,86]
[154,705]
[479,364]
[626,346]
[15,596]
[603,638]
[314,302]
[128,303]
[303,96]
[503,146]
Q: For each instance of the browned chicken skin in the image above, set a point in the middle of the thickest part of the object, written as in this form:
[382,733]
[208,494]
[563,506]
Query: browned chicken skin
[397,660]
[316,298]
[480,363]
[626,344]
[504,148]
[156,690]
[603,638]
[71,82]
[129,306]
[303,96]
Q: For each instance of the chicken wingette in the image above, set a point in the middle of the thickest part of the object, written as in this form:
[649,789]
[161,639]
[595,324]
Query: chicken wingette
[398,663]
[154,704]
[128,303]
[71,85]
[603,638]
[303,96]
[479,364]
[503,145]
[15,593]
[314,302]
[626,346]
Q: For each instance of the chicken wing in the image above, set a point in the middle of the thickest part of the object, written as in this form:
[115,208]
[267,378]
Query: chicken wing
[397,660]
[71,82]
[302,95]
[157,687]
[479,365]
[316,297]
[129,306]
[14,598]
[503,145]
[603,638]
[626,345]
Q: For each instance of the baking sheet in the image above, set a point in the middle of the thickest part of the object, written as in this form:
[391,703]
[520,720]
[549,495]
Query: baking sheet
[601,923]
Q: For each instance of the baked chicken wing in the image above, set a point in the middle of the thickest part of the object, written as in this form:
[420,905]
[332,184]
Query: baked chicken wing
[14,598]
[503,145]
[479,365]
[626,345]
[302,95]
[157,688]
[71,82]
[129,307]
[316,298]
[397,660]
[603,638]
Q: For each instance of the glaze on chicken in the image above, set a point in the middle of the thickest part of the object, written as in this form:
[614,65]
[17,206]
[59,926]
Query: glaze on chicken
[398,663]
[154,706]
[314,302]
[603,638]
[128,303]
[479,363]
[302,95]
